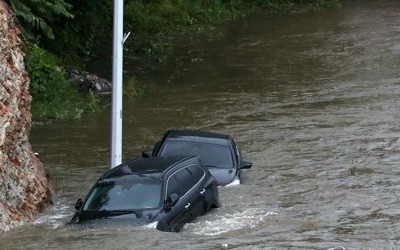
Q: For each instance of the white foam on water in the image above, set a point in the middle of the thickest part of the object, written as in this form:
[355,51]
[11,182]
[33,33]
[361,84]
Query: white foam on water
[233,183]
[54,216]
[151,225]
[249,218]
[337,248]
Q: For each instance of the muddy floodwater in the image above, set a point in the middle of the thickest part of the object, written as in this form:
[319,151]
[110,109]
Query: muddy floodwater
[313,101]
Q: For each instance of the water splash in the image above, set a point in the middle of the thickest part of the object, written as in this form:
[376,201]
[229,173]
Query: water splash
[337,248]
[151,225]
[250,218]
[234,183]
[54,216]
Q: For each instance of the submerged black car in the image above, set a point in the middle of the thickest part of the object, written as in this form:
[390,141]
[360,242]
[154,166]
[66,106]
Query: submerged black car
[169,191]
[217,151]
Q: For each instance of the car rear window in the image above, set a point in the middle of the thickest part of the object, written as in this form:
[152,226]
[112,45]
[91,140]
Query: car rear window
[212,155]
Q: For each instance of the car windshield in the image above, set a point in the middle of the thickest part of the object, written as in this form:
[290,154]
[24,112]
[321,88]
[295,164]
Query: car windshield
[212,155]
[124,195]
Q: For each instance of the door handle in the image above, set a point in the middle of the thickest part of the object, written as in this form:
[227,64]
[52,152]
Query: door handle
[187,206]
[202,191]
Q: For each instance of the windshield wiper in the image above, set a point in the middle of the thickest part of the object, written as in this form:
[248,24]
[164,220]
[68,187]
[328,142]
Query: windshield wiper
[138,214]
[218,166]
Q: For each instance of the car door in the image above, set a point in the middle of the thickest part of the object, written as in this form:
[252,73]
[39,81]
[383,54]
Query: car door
[191,200]
[198,191]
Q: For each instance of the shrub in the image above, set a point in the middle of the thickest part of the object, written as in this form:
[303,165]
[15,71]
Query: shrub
[53,96]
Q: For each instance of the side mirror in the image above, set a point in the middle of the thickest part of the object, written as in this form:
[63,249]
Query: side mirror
[147,154]
[78,204]
[172,200]
[246,164]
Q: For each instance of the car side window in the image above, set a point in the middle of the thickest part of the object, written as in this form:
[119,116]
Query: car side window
[189,177]
[196,172]
[173,186]
[185,179]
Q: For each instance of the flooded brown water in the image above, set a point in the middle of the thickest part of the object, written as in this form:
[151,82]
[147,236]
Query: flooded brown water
[313,101]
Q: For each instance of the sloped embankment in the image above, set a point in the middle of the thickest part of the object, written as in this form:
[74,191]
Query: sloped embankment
[24,188]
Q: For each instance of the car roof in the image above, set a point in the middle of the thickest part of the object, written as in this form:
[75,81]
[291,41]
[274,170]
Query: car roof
[154,166]
[197,136]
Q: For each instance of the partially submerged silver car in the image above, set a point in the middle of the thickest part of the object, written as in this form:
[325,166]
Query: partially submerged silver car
[217,151]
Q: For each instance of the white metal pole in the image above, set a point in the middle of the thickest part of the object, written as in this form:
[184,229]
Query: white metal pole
[116,118]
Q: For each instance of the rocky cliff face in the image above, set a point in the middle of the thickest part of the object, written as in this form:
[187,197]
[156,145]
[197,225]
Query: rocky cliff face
[24,187]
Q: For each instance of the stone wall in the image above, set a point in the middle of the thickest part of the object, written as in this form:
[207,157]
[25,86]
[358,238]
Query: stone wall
[24,188]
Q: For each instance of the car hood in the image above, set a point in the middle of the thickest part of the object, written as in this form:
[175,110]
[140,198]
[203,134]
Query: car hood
[136,219]
[224,176]
[116,221]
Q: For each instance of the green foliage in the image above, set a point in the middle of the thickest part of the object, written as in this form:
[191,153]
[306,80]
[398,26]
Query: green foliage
[52,95]
[77,39]
[37,16]
[167,16]
[155,17]
[47,80]
[131,88]
[295,6]
[92,102]
[156,49]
